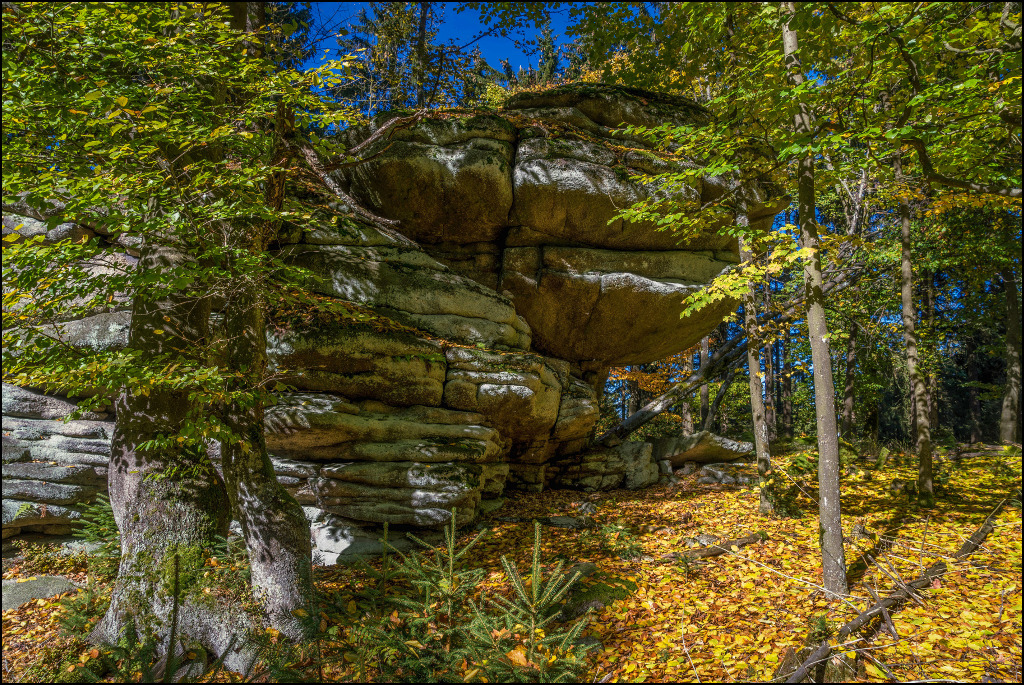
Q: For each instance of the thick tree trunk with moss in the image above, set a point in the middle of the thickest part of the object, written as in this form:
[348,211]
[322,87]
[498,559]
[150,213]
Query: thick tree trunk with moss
[829,509]
[274,527]
[925,492]
[168,500]
[1009,418]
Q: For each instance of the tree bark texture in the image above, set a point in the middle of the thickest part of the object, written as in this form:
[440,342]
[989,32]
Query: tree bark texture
[926,495]
[719,396]
[273,524]
[787,391]
[704,357]
[1009,417]
[829,508]
[973,401]
[168,501]
[757,404]
[851,369]
[769,380]
[420,74]
[685,413]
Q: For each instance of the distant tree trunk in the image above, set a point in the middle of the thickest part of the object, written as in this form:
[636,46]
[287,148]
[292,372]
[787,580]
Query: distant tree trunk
[685,413]
[709,420]
[973,403]
[1009,418]
[769,380]
[420,73]
[933,381]
[632,395]
[829,506]
[925,493]
[757,404]
[871,424]
[704,356]
[851,366]
[787,391]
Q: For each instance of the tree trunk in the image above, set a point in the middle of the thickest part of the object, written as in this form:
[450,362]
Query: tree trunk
[787,391]
[769,378]
[1009,418]
[420,73]
[933,381]
[704,356]
[925,493]
[757,404]
[685,413]
[167,499]
[829,508]
[973,402]
[273,524]
[709,420]
[851,366]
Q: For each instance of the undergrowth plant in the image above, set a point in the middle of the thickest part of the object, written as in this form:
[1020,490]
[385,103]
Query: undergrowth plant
[98,530]
[443,628]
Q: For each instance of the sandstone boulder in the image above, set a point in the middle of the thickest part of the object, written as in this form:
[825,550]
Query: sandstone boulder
[702,447]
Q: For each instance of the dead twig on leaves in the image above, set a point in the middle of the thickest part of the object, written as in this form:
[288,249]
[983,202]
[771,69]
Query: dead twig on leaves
[897,597]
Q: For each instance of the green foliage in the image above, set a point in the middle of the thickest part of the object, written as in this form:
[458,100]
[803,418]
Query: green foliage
[442,628]
[83,609]
[98,529]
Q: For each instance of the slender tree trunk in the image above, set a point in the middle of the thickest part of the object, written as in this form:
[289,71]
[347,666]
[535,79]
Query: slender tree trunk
[685,413]
[632,394]
[709,420]
[757,404]
[933,381]
[829,507]
[769,379]
[851,367]
[787,391]
[420,72]
[1009,418]
[973,403]
[704,357]
[925,492]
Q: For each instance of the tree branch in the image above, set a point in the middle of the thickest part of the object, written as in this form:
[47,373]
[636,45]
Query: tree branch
[931,175]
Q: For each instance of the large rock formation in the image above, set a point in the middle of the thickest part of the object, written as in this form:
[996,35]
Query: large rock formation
[502,326]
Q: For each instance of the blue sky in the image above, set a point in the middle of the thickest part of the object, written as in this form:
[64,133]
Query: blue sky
[459,28]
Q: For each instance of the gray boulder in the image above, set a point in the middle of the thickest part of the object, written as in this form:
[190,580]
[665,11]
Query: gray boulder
[629,465]
[31,404]
[702,447]
[17,592]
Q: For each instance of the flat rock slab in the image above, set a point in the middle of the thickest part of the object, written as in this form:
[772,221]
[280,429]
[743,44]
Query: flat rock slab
[19,592]
[703,447]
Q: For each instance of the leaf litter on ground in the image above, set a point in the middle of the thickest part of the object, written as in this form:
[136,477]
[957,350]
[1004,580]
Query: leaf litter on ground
[731,617]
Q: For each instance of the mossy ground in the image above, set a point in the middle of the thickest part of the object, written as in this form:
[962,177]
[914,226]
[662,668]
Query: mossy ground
[733,617]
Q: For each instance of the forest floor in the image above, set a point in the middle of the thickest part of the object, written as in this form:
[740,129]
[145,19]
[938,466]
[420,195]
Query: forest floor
[732,617]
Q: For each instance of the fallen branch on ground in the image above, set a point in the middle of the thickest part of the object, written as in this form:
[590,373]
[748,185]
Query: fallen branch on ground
[715,550]
[897,598]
